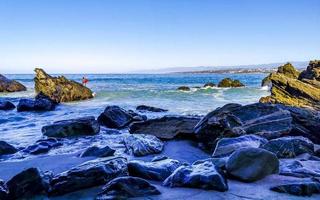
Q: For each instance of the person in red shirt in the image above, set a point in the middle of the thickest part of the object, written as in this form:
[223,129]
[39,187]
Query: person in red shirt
[84,81]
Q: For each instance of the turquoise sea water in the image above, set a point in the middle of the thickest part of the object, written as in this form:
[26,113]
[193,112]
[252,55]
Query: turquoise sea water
[128,91]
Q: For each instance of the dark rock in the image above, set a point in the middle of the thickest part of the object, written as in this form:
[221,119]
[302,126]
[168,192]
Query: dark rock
[156,170]
[209,84]
[98,152]
[115,117]
[72,127]
[6,148]
[89,174]
[219,163]
[42,146]
[40,103]
[296,168]
[184,88]
[306,188]
[228,82]
[4,193]
[289,147]
[157,158]
[6,105]
[252,164]
[7,85]
[167,127]
[60,89]
[29,183]
[141,144]
[201,175]
[227,146]
[150,108]
[233,120]
[127,187]
[312,72]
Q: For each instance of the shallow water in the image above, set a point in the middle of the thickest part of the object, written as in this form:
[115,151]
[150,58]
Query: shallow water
[128,91]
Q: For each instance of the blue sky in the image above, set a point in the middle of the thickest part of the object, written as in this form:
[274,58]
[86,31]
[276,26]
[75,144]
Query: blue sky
[107,36]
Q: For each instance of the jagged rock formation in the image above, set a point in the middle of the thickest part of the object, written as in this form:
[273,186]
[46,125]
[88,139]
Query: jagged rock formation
[228,82]
[7,85]
[60,89]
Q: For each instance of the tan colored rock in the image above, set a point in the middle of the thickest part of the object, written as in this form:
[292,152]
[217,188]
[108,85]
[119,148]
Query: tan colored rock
[7,85]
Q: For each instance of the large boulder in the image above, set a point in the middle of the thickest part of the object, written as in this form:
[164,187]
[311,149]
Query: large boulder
[115,117]
[72,127]
[289,147]
[302,188]
[252,164]
[6,105]
[89,174]
[287,70]
[228,82]
[40,103]
[141,144]
[95,151]
[6,148]
[127,187]
[312,72]
[167,127]
[60,89]
[7,85]
[42,146]
[156,170]
[29,183]
[202,175]
[143,108]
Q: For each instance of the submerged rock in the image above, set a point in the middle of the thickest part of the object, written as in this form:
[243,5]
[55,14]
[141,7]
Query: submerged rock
[167,127]
[184,88]
[72,127]
[29,183]
[40,103]
[4,192]
[150,109]
[127,187]
[228,82]
[89,174]
[60,89]
[289,147]
[252,164]
[141,144]
[98,152]
[303,188]
[7,85]
[42,146]
[202,175]
[156,170]
[115,117]
[6,105]
[6,148]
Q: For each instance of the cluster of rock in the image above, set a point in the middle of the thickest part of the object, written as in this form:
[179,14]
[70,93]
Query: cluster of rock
[224,83]
[7,85]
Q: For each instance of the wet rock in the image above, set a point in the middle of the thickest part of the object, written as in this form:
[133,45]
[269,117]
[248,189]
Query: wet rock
[303,188]
[3,190]
[60,89]
[209,84]
[127,187]
[252,164]
[157,158]
[7,85]
[300,169]
[6,105]
[167,127]
[201,175]
[234,120]
[156,170]
[184,88]
[115,117]
[312,72]
[219,163]
[40,103]
[228,82]
[98,152]
[29,183]
[6,148]
[141,144]
[289,147]
[226,146]
[72,127]
[43,146]
[89,174]
[143,108]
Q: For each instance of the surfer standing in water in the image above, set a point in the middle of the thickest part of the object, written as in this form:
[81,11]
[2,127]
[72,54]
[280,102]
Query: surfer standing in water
[84,81]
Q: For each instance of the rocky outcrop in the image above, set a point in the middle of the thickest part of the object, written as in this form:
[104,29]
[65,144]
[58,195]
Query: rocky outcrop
[115,117]
[40,103]
[209,85]
[6,148]
[143,108]
[252,164]
[291,88]
[43,146]
[6,105]
[141,144]
[7,85]
[167,127]
[60,89]
[202,175]
[95,151]
[228,82]
[157,170]
[184,88]
[127,187]
[72,127]
[303,188]
[89,174]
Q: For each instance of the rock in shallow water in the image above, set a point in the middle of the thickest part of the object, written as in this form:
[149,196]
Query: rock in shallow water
[42,146]
[184,88]
[72,127]
[6,105]
[89,174]
[98,152]
[156,170]
[7,85]
[127,187]
[252,164]
[141,144]
[3,190]
[6,148]
[228,82]
[40,103]
[303,188]
[143,108]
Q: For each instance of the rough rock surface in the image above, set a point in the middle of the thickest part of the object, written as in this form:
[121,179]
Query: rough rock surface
[143,108]
[29,183]
[89,174]
[184,88]
[167,127]
[156,170]
[252,164]
[312,72]
[7,85]
[98,152]
[202,175]
[115,117]
[42,146]
[287,70]
[72,127]
[227,146]
[303,188]
[3,190]
[127,187]
[300,169]
[141,144]
[289,147]
[60,89]
[40,103]
[6,148]
[6,105]
[228,82]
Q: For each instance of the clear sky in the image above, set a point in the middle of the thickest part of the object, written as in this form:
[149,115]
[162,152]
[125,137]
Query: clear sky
[106,36]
